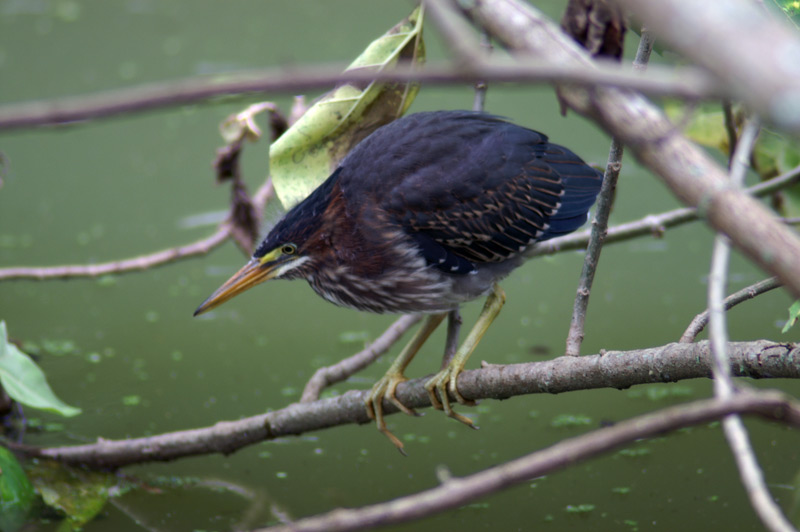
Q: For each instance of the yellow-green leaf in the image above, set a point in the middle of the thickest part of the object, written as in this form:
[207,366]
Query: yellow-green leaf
[310,150]
[773,153]
[706,124]
[794,314]
[25,382]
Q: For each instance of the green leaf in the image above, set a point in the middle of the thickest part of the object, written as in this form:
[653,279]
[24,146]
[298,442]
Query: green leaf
[776,154]
[25,382]
[773,153]
[17,496]
[706,125]
[306,154]
[77,494]
[791,8]
[794,314]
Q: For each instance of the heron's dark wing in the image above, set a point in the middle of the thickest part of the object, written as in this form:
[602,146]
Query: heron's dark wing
[470,188]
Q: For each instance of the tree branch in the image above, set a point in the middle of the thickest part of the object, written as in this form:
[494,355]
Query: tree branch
[611,369]
[690,173]
[763,69]
[682,82]
[454,492]
[142,262]
[343,369]
[701,320]
[749,470]
[599,229]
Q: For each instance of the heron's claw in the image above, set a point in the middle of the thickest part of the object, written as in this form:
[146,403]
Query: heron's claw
[386,388]
[444,383]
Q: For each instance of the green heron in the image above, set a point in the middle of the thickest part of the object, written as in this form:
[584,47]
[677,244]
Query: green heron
[426,213]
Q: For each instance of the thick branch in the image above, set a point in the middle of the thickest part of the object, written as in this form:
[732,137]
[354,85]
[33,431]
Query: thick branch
[758,56]
[613,369]
[686,169]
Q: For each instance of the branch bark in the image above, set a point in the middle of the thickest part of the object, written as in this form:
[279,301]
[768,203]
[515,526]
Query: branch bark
[611,369]
[685,83]
[692,175]
[758,56]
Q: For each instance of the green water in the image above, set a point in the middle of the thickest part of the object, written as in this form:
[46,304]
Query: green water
[142,365]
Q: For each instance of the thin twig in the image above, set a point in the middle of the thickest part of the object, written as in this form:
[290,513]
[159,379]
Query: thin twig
[343,369]
[730,128]
[701,320]
[646,42]
[718,336]
[605,201]
[597,237]
[143,262]
[457,491]
[749,470]
[684,82]
[481,87]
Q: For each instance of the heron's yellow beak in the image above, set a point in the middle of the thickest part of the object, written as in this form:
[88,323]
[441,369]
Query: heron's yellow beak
[253,273]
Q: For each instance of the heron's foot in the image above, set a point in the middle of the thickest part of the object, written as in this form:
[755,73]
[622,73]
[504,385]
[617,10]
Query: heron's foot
[444,383]
[386,388]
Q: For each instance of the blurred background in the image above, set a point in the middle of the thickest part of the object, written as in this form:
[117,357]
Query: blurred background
[128,352]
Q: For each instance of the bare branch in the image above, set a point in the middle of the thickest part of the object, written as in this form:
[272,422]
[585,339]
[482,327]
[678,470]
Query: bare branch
[682,82]
[343,369]
[762,70]
[481,87]
[597,238]
[749,470]
[646,42]
[599,229]
[691,174]
[701,320]
[730,128]
[143,262]
[612,369]
[717,277]
[454,492]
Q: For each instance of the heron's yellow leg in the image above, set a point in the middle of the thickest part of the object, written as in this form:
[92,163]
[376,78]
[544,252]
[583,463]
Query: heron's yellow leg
[444,382]
[385,388]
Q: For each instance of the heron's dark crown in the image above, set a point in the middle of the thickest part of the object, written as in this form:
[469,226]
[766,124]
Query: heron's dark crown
[301,222]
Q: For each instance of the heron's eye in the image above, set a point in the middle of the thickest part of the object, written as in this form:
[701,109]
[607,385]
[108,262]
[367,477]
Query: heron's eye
[289,249]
